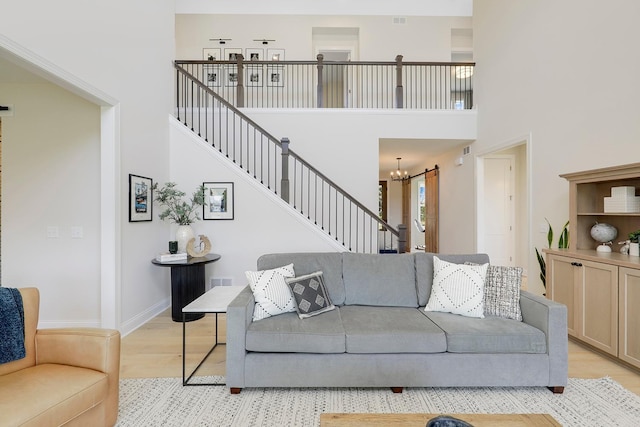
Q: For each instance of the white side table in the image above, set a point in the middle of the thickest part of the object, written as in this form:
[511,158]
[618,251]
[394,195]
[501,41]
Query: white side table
[215,301]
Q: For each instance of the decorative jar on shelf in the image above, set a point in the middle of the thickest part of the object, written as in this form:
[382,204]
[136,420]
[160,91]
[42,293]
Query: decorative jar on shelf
[634,249]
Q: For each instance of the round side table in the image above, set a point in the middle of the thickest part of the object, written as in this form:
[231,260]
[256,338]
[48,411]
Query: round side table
[187,283]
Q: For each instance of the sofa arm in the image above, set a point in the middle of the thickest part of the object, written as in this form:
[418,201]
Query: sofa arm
[92,348]
[239,317]
[551,318]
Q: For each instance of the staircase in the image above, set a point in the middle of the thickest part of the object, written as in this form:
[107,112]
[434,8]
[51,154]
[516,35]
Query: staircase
[280,170]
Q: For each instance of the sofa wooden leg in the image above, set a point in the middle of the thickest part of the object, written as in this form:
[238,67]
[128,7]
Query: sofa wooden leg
[396,389]
[235,390]
[556,389]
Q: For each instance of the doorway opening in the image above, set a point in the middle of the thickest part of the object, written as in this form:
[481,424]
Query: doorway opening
[503,192]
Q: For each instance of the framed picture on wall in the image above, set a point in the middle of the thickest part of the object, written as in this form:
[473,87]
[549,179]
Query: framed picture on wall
[253,76]
[211,54]
[254,54]
[275,54]
[213,75]
[230,75]
[231,54]
[140,198]
[218,200]
[275,76]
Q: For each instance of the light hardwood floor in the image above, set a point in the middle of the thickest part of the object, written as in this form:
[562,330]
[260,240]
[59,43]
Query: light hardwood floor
[155,350]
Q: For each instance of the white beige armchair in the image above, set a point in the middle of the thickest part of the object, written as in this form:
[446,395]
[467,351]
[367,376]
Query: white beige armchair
[68,377]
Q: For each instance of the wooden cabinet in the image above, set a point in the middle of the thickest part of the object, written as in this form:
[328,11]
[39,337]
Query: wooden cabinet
[629,319]
[601,290]
[587,191]
[590,292]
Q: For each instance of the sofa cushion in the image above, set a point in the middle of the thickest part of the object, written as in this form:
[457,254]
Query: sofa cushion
[50,394]
[390,330]
[488,335]
[380,280]
[310,295]
[330,263]
[287,333]
[457,288]
[271,292]
[424,270]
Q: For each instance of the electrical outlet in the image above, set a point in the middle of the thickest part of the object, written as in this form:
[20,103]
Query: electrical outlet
[77,232]
[53,232]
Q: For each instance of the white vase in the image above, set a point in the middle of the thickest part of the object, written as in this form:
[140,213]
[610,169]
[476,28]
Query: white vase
[634,249]
[183,235]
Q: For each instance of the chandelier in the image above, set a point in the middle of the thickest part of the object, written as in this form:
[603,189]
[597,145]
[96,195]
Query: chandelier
[398,175]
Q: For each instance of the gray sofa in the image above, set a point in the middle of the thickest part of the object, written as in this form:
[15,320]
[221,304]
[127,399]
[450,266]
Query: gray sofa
[380,336]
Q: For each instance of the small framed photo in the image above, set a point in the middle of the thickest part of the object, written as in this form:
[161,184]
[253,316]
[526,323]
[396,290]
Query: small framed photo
[254,54]
[211,54]
[218,200]
[212,75]
[231,54]
[231,76]
[275,76]
[254,76]
[140,198]
[275,54]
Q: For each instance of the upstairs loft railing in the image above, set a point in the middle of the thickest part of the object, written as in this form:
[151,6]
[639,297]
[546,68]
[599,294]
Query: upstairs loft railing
[338,84]
[280,169]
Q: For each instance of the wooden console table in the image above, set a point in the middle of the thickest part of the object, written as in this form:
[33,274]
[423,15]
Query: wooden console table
[187,283]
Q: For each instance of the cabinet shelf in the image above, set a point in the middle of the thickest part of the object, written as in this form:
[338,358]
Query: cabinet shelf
[631,214]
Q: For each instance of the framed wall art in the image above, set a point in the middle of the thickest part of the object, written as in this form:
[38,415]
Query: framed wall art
[231,54]
[213,75]
[254,54]
[140,198]
[275,54]
[211,54]
[275,76]
[231,75]
[253,76]
[218,200]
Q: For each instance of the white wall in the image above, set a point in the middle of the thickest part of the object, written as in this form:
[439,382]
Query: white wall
[344,144]
[125,50]
[51,160]
[262,222]
[422,38]
[563,72]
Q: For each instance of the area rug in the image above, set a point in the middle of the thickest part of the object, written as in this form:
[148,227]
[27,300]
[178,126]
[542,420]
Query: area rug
[165,402]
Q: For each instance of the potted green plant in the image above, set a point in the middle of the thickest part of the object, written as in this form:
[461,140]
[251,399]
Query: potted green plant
[634,247]
[563,243]
[178,210]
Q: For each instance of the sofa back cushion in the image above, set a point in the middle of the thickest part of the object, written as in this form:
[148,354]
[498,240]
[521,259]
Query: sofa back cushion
[424,270]
[31,305]
[379,279]
[330,263]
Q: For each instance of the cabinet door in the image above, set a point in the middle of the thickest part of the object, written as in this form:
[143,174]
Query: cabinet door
[561,280]
[598,307]
[629,326]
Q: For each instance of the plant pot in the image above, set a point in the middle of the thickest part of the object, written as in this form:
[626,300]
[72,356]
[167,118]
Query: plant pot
[183,234]
[634,249]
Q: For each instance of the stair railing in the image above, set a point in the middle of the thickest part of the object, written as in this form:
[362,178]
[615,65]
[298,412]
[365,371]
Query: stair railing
[280,169]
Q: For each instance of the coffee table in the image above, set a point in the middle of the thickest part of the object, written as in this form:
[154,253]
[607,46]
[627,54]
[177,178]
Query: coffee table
[215,301]
[411,420]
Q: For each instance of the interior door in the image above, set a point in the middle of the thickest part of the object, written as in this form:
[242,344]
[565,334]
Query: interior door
[499,210]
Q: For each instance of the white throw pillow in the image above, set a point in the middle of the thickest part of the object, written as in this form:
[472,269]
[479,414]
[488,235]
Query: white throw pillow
[457,288]
[271,292]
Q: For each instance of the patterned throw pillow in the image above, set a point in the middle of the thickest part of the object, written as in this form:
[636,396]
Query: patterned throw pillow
[502,292]
[457,288]
[310,294]
[271,292]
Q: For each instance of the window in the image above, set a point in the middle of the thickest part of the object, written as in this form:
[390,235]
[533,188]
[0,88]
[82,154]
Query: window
[421,202]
